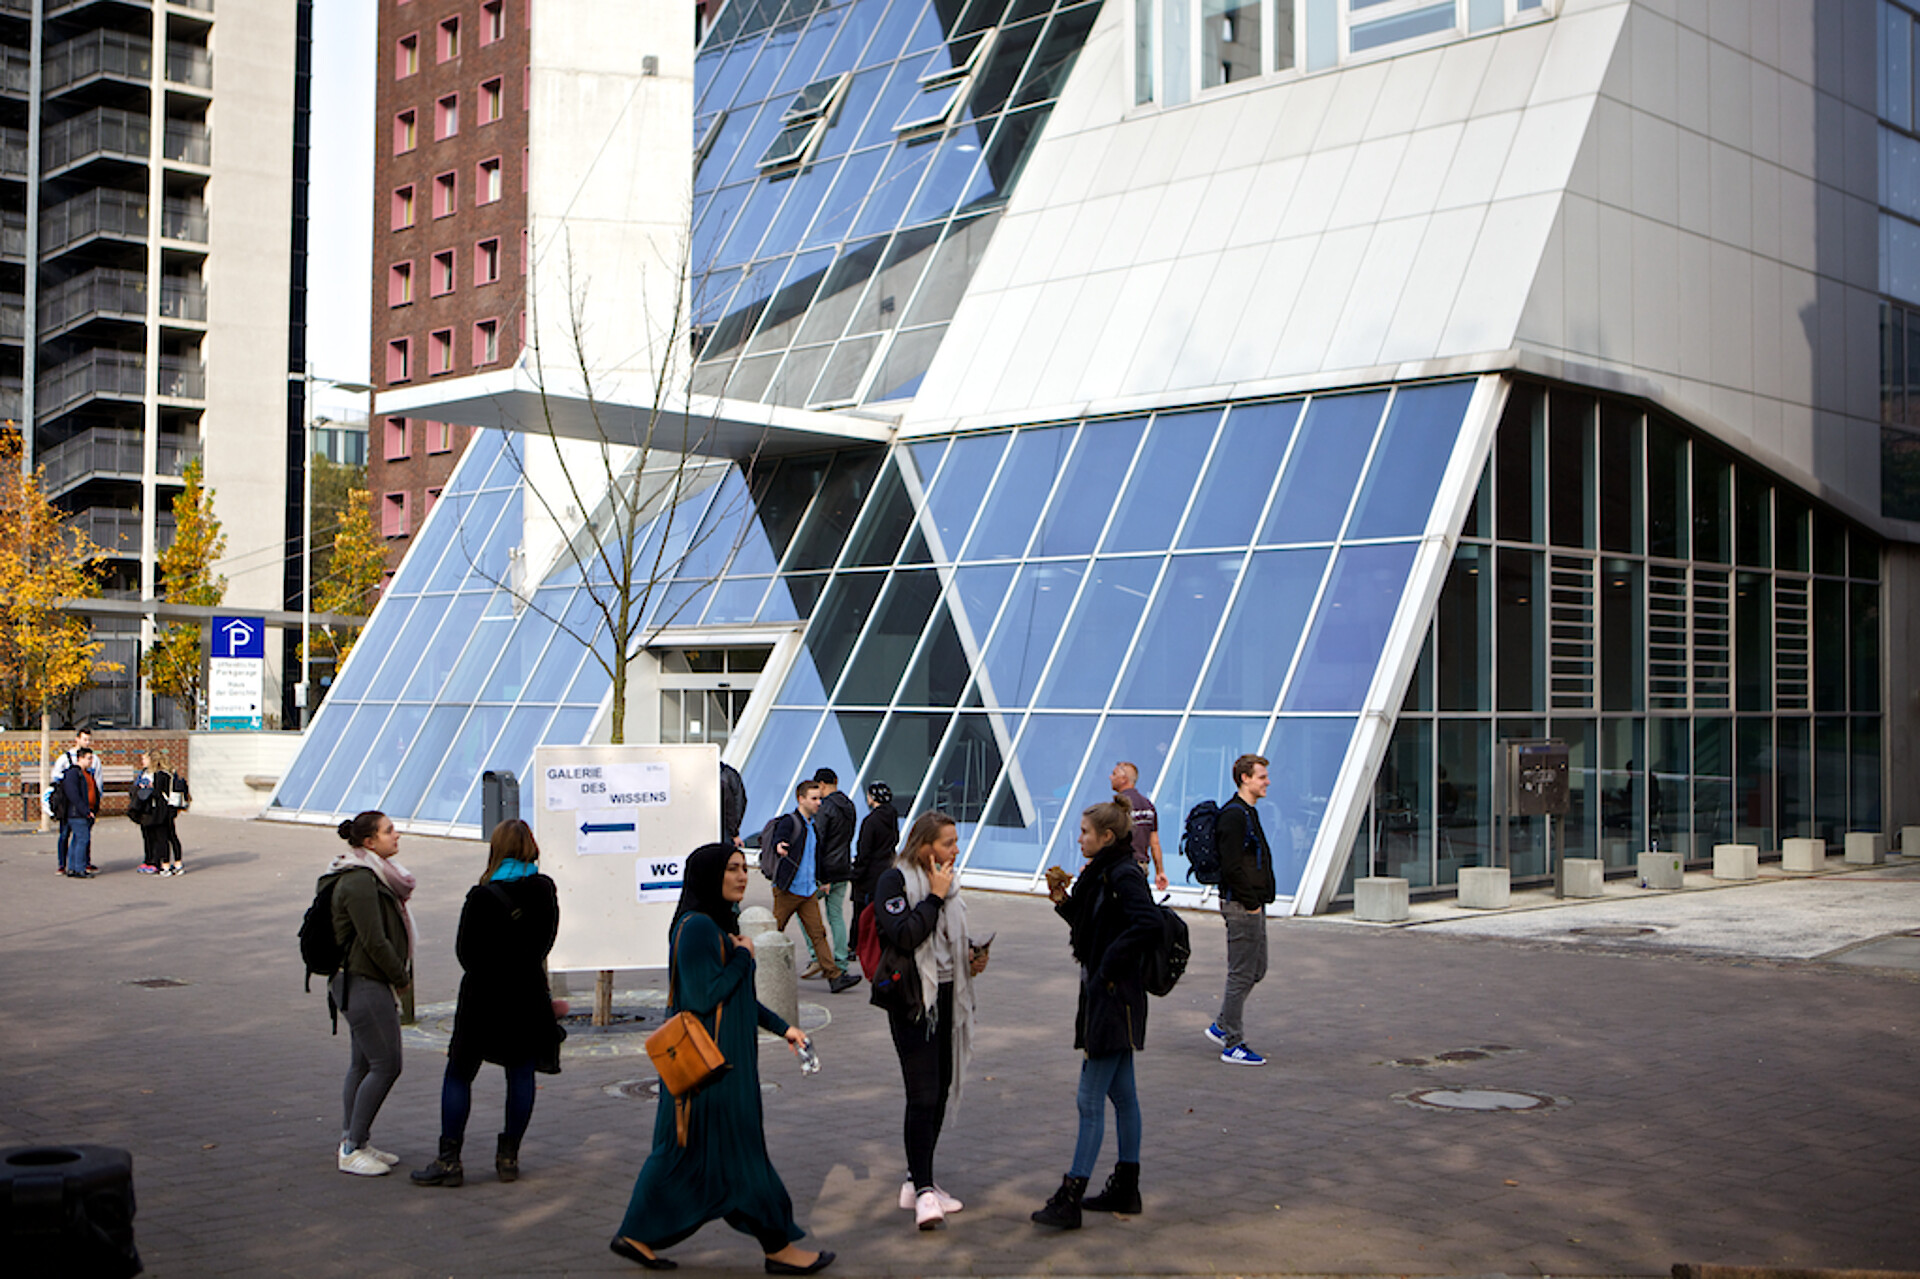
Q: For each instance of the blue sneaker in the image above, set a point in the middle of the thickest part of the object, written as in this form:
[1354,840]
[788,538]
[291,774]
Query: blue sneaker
[1241,1055]
[1216,1034]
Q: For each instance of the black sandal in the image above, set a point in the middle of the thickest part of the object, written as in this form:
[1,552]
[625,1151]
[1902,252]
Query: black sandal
[820,1263]
[621,1246]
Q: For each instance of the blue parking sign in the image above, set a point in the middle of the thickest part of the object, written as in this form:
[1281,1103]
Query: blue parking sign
[239,637]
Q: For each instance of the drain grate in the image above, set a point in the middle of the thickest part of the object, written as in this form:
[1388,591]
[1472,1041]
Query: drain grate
[620,1021]
[1480,1100]
[158,983]
[1613,930]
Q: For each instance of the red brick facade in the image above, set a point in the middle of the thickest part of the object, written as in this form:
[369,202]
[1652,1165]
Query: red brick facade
[450,211]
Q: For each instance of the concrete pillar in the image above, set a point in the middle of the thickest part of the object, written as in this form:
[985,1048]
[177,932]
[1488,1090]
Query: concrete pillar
[1803,854]
[1736,861]
[1380,899]
[776,983]
[1866,848]
[1584,876]
[1485,887]
[1661,870]
[1910,841]
[755,920]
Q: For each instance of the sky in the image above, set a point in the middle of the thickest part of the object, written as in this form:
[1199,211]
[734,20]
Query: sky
[340,241]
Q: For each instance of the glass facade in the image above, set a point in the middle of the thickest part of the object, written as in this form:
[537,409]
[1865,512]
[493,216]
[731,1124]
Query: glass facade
[1899,140]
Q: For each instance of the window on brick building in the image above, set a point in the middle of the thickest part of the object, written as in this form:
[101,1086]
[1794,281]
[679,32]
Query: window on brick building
[400,284]
[446,119]
[439,352]
[433,495]
[403,207]
[405,135]
[446,195]
[449,38]
[486,342]
[443,279]
[493,21]
[396,439]
[490,99]
[486,261]
[486,181]
[406,56]
[400,360]
[439,437]
[393,515]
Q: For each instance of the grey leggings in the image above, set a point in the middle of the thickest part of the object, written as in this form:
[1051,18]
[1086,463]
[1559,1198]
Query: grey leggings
[373,1023]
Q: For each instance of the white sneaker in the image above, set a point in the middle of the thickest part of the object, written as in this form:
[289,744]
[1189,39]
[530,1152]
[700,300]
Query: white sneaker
[381,1155]
[947,1202]
[926,1210]
[363,1163]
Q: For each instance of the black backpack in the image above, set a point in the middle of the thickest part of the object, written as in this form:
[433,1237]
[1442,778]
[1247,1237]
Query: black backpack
[770,846]
[318,950]
[1162,966]
[1197,842]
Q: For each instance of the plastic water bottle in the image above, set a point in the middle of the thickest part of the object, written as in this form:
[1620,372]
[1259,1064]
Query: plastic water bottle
[809,1059]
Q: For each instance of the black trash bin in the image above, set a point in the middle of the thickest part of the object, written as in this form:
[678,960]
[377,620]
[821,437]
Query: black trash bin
[67,1211]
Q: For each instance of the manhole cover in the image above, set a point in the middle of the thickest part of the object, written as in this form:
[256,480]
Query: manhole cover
[1479,1099]
[649,1089]
[1463,1054]
[1613,930]
[157,983]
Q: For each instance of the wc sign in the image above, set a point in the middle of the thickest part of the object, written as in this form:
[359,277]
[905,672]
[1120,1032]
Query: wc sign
[236,672]
[658,879]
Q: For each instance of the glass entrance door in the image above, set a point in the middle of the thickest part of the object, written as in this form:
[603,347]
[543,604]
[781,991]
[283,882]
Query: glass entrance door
[704,692]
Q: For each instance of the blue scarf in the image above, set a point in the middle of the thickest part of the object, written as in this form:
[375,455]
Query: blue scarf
[511,870]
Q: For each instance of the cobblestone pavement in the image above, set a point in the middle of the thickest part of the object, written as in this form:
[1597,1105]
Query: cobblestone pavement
[1710,1107]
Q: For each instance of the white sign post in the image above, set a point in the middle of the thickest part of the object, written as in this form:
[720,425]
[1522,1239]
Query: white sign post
[615,825]
[236,671]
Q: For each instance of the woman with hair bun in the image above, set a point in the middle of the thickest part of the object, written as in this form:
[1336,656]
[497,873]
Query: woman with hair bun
[505,1013]
[1112,922]
[375,934]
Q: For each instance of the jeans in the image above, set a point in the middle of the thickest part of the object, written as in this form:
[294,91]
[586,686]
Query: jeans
[926,1067]
[1246,965]
[456,1098]
[1102,1078]
[373,1063]
[834,897]
[79,837]
[786,905]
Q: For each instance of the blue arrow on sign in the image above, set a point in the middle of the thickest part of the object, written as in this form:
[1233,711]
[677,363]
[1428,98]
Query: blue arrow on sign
[606,828]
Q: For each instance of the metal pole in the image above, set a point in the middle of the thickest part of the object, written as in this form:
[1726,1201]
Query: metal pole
[306,547]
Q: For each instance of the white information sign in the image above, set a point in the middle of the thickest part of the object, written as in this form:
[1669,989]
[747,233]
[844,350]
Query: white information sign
[233,690]
[615,825]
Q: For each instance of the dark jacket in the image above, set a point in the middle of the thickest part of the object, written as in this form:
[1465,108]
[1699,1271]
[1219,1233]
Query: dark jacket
[1113,919]
[1246,859]
[733,804]
[905,926]
[82,792]
[834,824]
[368,924]
[505,1014]
[874,850]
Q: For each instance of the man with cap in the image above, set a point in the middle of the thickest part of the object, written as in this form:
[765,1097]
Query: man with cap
[835,823]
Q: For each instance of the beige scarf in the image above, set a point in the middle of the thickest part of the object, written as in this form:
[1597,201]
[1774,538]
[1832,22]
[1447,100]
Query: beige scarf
[953,929]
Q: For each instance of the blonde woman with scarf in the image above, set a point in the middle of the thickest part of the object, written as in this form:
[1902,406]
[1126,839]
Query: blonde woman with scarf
[922,922]
[375,931]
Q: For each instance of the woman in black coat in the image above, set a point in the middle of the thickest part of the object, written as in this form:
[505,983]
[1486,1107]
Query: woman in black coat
[1114,922]
[506,1011]
[873,849]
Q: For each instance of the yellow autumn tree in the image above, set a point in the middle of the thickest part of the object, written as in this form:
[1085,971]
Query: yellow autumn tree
[174,664]
[46,652]
[354,569]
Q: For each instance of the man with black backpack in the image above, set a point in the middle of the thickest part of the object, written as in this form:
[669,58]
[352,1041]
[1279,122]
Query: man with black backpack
[1246,890]
[55,802]
[789,856]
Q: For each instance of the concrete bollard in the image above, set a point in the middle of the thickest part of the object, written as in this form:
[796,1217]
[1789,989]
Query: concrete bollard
[1910,841]
[1584,876]
[1485,887]
[1380,899]
[755,920]
[1803,854]
[1736,861]
[776,983]
[1662,870]
[1866,848]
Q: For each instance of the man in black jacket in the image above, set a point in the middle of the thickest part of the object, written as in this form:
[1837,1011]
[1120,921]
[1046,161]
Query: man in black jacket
[835,823]
[1246,890]
[733,805]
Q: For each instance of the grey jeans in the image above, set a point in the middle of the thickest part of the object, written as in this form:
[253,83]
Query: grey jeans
[1246,964]
[373,1025]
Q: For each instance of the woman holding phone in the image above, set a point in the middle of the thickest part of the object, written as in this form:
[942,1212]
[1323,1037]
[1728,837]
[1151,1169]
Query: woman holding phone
[920,917]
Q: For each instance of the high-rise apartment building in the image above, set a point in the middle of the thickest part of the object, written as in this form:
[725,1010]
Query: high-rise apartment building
[148,286]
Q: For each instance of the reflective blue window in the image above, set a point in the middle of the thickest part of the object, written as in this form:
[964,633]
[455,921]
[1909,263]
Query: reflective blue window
[776,760]
[940,673]
[1350,628]
[1085,495]
[904,751]
[893,192]
[1096,639]
[438,656]
[1409,460]
[975,600]
[842,616]
[1006,522]
[488,636]
[1263,629]
[843,744]
[1163,481]
[1234,491]
[423,760]
[390,618]
[1305,755]
[955,497]
[737,600]
[1028,821]
[1165,660]
[891,638]
[962,778]
[1021,643]
[1321,471]
[407,647]
[1201,767]
[1140,740]
[387,747]
[466,758]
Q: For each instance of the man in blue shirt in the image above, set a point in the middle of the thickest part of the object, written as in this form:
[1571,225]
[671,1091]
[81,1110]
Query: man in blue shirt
[795,881]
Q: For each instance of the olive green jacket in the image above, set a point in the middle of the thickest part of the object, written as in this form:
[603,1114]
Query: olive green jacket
[368,924]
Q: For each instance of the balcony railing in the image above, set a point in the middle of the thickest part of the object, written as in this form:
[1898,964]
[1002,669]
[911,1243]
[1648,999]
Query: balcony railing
[114,454]
[119,54]
[184,220]
[13,398]
[119,375]
[102,291]
[189,65]
[183,299]
[13,153]
[121,214]
[22,7]
[188,142]
[13,317]
[102,131]
[16,71]
[13,236]
[183,377]
[116,530]
[204,6]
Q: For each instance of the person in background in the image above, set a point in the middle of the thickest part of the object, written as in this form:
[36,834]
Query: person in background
[733,804]
[80,787]
[157,798]
[722,1173]
[375,931]
[1125,780]
[835,823]
[505,1013]
[874,848]
[796,844]
[55,774]
[1246,890]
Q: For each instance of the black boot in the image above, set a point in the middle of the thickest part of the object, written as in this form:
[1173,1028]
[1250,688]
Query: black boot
[1063,1210]
[506,1158]
[444,1171]
[1122,1193]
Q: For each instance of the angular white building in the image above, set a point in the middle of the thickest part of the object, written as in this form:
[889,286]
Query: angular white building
[1363,383]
